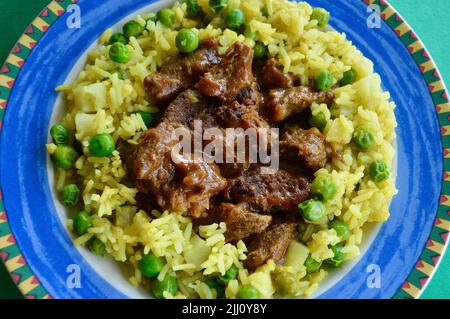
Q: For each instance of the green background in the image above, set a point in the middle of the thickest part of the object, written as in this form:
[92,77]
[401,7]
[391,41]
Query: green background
[430,20]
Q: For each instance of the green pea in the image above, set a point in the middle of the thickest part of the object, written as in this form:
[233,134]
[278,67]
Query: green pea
[323,188]
[348,78]
[214,284]
[319,121]
[97,246]
[363,139]
[166,17]
[312,210]
[230,274]
[235,19]
[133,29]
[286,284]
[324,81]
[148,118]
[186,41]
[322,16]
[192,8]
[118,37]
[150,265]
[249,34]
[102,145]
[265,11]
[312,265]
[70,195]
[64,156]
[341,228]
[169,284]
[118,52]
[60,134]
[248,292]
[379,171]
[218,5]
[81,223]
[338,257]
[260,51]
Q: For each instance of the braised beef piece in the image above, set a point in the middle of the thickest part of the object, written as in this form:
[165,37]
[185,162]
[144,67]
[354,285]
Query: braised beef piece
[230,76]
[272,243]
[233,170]
[281,103]
[237,115]
[164,86]
[272,76]
[250,96]
[240,220]
[179,184]
[308,146]
[181,74]
[280,191]
[199,181]
[203,59]
[149,165]
[189,106]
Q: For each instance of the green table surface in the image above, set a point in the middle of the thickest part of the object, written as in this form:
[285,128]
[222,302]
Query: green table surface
[428,18]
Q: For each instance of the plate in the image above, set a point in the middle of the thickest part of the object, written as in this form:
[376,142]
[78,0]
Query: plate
[38,250]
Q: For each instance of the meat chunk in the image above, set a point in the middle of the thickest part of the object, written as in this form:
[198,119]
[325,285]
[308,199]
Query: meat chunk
[238,115]
[308,146]
[240,221]
[250,96]
[177,184]
[181,74]
[272,77]
[230,76]
[199,181]
[189,106]
[233,170]
[204,58]
[164,86]
[281,191]
[270,244]
[281,103]
[150,165]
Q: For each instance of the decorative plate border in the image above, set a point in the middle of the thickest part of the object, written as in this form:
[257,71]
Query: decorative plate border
[30,285]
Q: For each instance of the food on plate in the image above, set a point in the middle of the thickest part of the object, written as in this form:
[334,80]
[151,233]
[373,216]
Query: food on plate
[211,229]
